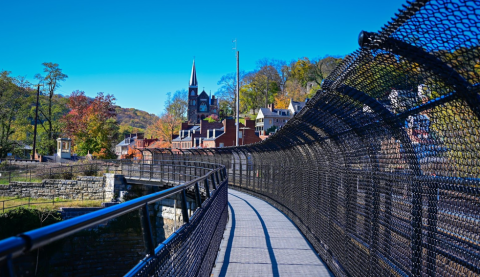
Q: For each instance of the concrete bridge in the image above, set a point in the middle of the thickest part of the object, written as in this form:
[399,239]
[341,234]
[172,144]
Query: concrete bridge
[378,175]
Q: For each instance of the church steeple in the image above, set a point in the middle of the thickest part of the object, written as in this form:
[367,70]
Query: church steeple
[193,77]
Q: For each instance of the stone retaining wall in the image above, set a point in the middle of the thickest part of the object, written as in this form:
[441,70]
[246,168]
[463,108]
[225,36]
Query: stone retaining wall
[86,187]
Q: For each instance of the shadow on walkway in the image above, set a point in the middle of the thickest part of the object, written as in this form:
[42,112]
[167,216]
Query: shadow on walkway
[262,241]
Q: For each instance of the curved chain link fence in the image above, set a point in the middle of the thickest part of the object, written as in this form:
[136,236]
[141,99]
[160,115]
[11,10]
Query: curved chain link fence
[381,170]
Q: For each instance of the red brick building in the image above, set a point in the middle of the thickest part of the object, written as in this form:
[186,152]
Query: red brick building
[210,135]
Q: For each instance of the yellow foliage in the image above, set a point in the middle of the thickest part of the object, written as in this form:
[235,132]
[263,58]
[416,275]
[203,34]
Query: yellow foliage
[281,101]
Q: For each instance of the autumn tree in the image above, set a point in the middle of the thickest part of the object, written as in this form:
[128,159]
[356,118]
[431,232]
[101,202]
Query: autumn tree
[171,118]
[281,101]
[51,80]
[165,127]
[92,124]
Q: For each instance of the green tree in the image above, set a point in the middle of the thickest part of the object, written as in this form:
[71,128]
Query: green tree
[14,95]
[300,70]
[51,80]
[321,68]
[227,92]
[258,90]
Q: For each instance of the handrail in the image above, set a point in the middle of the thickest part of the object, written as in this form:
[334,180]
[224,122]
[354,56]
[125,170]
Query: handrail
[15,246]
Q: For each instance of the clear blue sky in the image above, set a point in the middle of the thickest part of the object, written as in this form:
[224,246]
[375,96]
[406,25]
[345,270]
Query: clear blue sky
[140,50]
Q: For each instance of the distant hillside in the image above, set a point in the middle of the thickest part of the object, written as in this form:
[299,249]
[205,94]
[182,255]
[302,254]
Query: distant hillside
[134,118]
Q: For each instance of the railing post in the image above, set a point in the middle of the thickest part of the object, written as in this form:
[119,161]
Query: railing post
[147,230]
[234,171]
[207,188]
[216,177]
[213,181]
[7,268]
[433,199]
[222,177]
[151,170]
[198,199]
[186,219]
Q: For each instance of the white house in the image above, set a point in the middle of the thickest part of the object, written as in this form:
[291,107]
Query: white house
[268,117]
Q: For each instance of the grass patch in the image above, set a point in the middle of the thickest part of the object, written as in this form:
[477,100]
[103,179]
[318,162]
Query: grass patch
[5,181]
[8,203]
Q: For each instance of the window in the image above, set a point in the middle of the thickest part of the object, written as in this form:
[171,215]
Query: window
[239,135]
[203,107]
[270,121]
[221,144]
[192,93]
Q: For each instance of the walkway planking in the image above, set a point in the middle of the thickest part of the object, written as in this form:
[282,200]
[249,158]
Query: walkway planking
[262,241]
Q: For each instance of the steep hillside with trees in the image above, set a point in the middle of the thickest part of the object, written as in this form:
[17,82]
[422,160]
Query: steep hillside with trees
[132,120]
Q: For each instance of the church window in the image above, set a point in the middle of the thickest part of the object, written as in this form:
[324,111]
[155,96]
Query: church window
[192,93]
[193,101]
[203,107]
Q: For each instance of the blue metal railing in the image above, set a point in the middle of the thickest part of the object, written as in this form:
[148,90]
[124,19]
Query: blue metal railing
[214,183]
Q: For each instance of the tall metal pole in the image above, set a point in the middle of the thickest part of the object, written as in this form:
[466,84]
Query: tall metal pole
[238,98]
[35,126]
[266,95]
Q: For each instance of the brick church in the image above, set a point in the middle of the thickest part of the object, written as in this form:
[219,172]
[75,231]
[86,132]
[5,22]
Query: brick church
[199,106]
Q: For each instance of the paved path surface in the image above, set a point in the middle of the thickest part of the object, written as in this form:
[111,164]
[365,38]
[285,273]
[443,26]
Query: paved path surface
[262,241]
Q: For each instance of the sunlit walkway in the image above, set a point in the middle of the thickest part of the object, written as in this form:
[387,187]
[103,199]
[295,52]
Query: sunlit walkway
[261,241]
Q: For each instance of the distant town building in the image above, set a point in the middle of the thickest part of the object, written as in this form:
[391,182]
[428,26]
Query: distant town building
[199,106]
[215,134]
[122,148]
[132,142]
[269,116]
[145,142]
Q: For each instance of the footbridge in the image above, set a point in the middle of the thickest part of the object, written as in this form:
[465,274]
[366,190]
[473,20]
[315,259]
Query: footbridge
[379,175]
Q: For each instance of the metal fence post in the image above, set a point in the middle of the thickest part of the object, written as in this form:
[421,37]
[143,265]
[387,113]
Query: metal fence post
[216,177]
[213,182]
[147,230]
[186,219]
[198,199]
[207,189]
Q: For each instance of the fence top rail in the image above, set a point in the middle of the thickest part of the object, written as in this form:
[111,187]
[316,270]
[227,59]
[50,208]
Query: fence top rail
[31,240]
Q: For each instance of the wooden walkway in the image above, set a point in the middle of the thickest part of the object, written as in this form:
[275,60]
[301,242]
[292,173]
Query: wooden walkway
[262,241]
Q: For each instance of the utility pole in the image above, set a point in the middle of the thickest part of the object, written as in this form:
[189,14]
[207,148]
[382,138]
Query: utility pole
[237,103]
[238,97]
[35,126]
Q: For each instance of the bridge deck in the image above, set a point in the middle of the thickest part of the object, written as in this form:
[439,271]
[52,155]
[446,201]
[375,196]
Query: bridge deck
[261,241]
